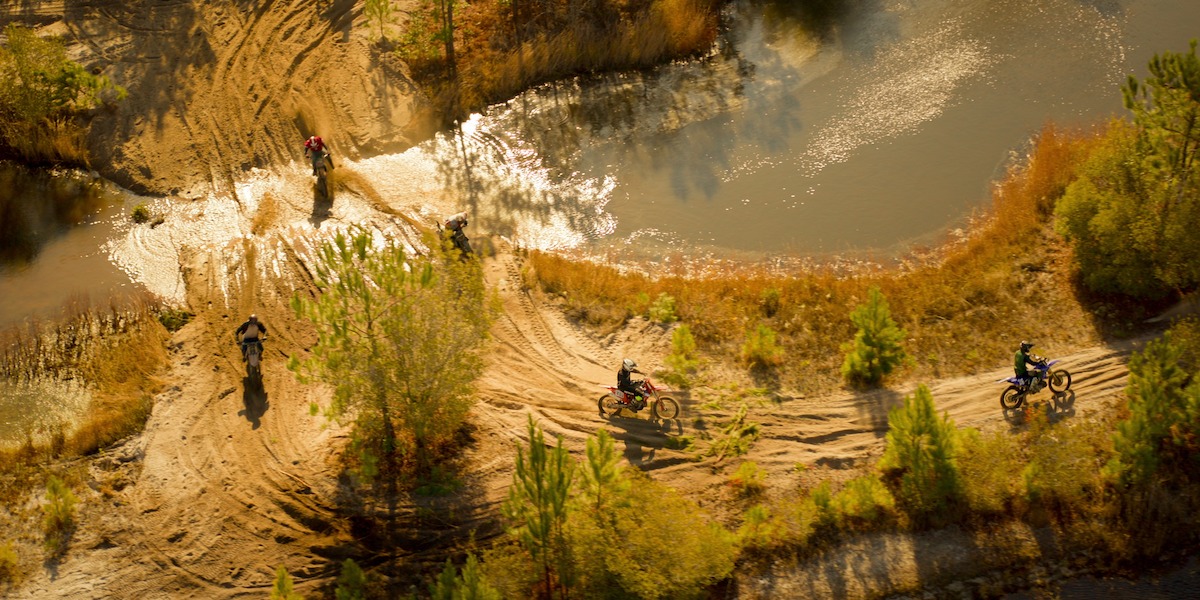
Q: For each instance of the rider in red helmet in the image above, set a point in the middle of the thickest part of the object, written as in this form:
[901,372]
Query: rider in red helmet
[314,149]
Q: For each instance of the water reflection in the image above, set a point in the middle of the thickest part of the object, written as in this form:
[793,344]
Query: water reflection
[36,207]
[36,410]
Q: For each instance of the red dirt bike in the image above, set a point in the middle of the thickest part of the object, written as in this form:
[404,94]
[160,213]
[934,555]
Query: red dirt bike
[661,407]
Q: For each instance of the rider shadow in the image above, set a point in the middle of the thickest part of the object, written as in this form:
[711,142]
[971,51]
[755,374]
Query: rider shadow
[322,207]
[254,399]
[1061,406]
[644,437]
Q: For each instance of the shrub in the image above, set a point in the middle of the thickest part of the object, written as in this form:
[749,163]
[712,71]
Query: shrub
[922,453]
[469,584]
[1132,215]
[41,91]
[351,583]
[761,529]
[174,318]
[760,349]
[863,502]
[141,214]
[770,301]
[663,309]
[876,348]
[10,565]
[58,515]
[282,590]
[989,465]
[682,359]
[1164,415]
[736,436]
[748,479]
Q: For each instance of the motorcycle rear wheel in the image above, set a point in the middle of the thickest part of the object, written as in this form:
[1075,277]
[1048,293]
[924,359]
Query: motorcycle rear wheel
[665,408]
[1060,381]
[1012,397]
[609,407]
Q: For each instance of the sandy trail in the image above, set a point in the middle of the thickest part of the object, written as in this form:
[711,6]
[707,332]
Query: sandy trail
[217,87]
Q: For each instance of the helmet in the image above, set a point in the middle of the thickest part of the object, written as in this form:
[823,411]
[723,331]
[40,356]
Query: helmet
[629,364]
[1026,345]
[253,318]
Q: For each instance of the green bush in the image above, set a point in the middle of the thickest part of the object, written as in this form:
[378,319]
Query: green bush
[41,92]
[876,350]
[58,515]
[922,455]
[863,502]
[282,590]
[682,360]
[351,583]
[1164,415]
[469,584]
[990,466]
[761,529]
[174,318]
[141,214]
[736,436]
[662,309]
[1131,215]
[771,301]
[10,565]
[760,349]
[748,479]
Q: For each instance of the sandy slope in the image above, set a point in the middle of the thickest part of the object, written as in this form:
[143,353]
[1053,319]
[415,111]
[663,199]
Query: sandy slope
[217,87]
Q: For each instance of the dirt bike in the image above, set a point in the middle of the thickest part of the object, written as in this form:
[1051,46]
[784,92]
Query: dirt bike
[661,407]
[322,168]
[1014,395]
[253,355]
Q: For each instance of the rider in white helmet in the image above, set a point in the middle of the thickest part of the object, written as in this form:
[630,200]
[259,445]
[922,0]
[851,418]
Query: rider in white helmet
[626,383]
[251,332]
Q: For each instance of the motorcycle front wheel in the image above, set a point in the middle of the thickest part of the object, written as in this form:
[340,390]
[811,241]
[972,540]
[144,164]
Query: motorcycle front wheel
[666,408]
[1012,397]
[609,407]
[1060,381]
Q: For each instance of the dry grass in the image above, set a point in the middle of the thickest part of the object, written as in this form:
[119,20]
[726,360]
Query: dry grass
[964,305]
[115,349]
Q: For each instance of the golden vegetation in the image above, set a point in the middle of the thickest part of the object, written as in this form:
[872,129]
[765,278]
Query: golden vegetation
[964,306]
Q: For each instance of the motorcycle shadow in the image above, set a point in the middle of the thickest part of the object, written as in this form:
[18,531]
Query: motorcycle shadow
[254,402]
[644,437]
[1060,406]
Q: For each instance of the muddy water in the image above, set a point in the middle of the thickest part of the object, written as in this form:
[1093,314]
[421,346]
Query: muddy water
[868,130]
[53,232]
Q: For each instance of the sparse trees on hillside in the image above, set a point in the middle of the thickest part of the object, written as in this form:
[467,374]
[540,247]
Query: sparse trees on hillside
[537,506]
[399,338]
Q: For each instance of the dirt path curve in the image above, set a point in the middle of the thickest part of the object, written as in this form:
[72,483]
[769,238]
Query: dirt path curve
[218,87]
[234,480]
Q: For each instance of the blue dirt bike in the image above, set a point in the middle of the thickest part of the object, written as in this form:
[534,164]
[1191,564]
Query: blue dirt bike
[1041,375]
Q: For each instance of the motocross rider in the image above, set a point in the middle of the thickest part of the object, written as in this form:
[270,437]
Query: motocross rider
[1024,357]
[627,384]
[314,149]
[454,228]
[249,333]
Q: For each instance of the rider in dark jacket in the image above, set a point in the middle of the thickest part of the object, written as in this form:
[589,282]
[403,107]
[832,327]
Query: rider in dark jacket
[625,381]
[251,332]
[1024,357]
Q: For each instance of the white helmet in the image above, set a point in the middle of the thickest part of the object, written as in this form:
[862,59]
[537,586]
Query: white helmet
[629,364]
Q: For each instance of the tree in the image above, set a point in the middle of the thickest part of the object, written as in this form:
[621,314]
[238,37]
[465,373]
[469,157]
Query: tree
[351,583]
[922,452]
[468,585]
[1132,213]
[1164,414]
[537,507]
[876,350]
[378,11]
[398,337]
[682,360]
[282,590]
